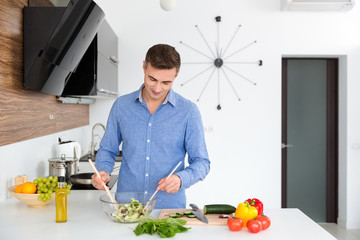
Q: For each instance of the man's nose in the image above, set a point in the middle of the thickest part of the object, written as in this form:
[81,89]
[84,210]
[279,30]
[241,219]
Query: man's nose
[158,87]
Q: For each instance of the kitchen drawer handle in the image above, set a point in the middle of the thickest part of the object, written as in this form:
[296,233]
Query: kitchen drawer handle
[107,91]
[113,59]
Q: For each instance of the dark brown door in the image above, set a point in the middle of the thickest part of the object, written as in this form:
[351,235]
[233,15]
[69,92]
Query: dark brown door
[310,137]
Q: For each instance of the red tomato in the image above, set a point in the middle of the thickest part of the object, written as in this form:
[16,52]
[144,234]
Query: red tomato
[265,221]
[235,224]
[254,226]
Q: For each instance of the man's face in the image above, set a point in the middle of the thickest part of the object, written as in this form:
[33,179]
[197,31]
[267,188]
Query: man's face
[158,82]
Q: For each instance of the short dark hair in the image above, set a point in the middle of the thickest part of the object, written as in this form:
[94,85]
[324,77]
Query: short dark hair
[163,56]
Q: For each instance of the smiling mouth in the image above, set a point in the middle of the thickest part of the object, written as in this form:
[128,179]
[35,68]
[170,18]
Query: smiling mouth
[155,93]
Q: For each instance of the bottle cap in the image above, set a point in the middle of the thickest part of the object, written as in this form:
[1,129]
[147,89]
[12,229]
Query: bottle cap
[61,179]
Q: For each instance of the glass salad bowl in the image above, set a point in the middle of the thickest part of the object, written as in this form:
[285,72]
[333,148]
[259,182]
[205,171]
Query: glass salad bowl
[129,206]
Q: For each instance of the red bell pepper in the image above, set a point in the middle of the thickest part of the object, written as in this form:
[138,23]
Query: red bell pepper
[257,204]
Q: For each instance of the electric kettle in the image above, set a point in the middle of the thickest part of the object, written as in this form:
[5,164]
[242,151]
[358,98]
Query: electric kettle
[70,149]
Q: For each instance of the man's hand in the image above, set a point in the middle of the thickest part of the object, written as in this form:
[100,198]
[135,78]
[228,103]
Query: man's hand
[97,182]
[172,185]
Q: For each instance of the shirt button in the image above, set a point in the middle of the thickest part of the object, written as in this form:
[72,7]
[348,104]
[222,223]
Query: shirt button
[147,158]
[146,175]
[148,140]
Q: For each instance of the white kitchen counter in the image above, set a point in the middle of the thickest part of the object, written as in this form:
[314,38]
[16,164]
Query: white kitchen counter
[86,220]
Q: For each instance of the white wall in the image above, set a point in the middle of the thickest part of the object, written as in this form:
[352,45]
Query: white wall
[243,138]
[247,134]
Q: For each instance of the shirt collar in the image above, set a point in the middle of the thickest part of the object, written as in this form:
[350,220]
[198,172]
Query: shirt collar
[169,98]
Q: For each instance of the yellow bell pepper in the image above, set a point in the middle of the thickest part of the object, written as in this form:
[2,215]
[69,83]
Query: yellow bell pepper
[245,212]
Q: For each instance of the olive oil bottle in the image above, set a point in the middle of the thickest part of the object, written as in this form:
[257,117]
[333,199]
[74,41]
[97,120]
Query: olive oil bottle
[61,201]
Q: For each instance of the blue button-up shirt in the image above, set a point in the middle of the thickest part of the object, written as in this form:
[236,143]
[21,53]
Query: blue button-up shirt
[153,144]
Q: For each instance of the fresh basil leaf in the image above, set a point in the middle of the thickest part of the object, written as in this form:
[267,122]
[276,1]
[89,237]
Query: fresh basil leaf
[183,229]
[181,221]
[147,227]
[139,230]
[163,232]
[166,228]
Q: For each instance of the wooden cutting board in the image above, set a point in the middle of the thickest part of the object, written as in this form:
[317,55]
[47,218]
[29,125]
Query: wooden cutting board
[213,218]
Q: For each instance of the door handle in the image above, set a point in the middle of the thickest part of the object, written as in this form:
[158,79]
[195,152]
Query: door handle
[113,59]
[283,145]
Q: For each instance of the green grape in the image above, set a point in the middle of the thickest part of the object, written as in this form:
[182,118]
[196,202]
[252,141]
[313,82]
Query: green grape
[50,191]
[40,198]
[38,192]
[44,180]
[44,200]
[41,184]
[55,179]
[50,178]
[48,183]
[65,183]
[39,179]
[53,185]
[68,187]
[68,191]
[35,181]
[45,190]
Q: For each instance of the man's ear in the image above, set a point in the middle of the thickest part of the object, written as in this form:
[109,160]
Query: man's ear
[144,66]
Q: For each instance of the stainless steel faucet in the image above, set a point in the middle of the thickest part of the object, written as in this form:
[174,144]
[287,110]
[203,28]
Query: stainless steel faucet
[92,139]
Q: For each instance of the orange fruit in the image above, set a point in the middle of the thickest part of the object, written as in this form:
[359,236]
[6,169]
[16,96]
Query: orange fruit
[19,188]
[29,188]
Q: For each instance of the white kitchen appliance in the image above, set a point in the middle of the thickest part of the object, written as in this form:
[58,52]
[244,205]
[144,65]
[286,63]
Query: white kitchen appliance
[70,149]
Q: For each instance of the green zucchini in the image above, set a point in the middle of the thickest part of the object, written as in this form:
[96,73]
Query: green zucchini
[219,209]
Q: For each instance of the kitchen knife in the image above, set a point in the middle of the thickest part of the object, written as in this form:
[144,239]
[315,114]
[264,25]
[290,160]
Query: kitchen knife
[199,215]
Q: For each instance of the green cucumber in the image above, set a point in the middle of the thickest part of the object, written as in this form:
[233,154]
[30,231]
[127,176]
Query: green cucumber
[175,215]
[219,209]
[188,212]
[191,216]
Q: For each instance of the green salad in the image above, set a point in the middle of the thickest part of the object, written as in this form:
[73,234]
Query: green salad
[129,212]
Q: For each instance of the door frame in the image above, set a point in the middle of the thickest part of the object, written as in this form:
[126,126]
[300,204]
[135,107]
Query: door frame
[332,132]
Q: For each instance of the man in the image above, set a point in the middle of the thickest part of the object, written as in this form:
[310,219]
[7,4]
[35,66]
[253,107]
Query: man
[157,127]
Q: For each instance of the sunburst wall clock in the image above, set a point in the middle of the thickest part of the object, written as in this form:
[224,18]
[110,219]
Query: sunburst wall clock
[220,61]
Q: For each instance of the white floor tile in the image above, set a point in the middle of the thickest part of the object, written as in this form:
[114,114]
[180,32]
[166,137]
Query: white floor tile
[340,232]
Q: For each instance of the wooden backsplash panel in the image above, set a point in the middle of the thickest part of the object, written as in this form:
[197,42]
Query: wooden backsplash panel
[25,114]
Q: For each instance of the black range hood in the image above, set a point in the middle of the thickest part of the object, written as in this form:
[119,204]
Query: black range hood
[55,40]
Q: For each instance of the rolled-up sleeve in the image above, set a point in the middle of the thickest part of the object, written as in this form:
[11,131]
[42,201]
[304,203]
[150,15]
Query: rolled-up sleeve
[198,159]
